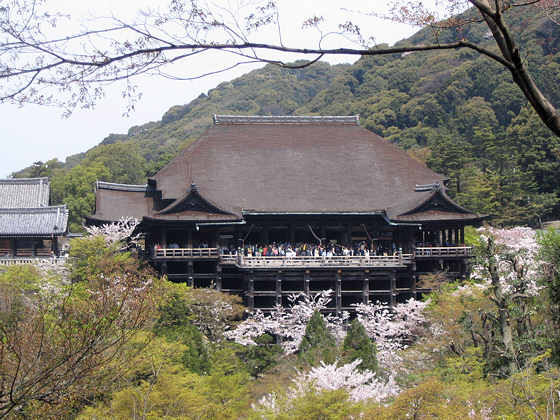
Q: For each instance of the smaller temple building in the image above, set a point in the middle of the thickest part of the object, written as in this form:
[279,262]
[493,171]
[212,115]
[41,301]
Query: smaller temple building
[270,206]
[29,226]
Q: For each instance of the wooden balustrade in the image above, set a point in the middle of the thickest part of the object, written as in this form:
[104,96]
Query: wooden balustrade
[308,261]
[186,253]
[334,261]
[31,260]
[443,251]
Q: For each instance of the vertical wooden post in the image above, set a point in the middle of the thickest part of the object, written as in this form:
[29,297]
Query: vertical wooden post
[251,290]
[338,292]
[190,272]
[164,238]
[293,234]
[306,281]
[266,229]
[279,287]
[365,293]
[218,278]
[393,287]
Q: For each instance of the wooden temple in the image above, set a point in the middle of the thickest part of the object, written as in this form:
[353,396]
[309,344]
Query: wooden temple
[29,226]
[341,207]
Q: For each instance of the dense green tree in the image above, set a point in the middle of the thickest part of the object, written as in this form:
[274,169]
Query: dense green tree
[261,357]
[450,156]
[550,253]
[75,188]
[357,345]
[318,343]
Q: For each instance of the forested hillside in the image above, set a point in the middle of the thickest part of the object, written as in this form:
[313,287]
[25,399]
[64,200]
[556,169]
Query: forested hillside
[458,112]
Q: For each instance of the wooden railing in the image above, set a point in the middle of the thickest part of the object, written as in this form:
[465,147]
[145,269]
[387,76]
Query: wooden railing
[31,260]
[26,252]
[334,261]
[443,251]
[187,253]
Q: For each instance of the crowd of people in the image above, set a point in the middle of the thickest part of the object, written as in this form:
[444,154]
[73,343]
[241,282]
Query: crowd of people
[280,249]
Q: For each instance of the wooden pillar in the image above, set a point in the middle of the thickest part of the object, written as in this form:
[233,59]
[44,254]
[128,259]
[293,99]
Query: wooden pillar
[164,237]
[251,290]
[266,235]
[238,237]
[306,280]
[293,234]
[279,287]
[462,236]
[55,246]
[365,293]
[348,241]
[218,278]
[190,272]
[412,277]
[338,291]
[189,238]
[392,287]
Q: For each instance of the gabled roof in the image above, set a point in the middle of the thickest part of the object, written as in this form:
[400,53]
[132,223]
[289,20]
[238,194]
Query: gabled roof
[431,205]
[271,165]
[192,202]
[113,201]
[294,165]
[37,222]
[24,192]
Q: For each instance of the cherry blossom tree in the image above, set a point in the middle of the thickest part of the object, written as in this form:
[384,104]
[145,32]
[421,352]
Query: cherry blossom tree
[63,337]
[509,266]
[121,232]
[392,329]
[360,385]
[289,323]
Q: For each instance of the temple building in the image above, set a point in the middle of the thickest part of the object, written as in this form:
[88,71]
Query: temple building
[270,206]
[29,226]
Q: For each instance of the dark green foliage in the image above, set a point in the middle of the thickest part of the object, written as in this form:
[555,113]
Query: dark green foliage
[263,356]
[174,323]
[550,253]
[357,345]
[318,344]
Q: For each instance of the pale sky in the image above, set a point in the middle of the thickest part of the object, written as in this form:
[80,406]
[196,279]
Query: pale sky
[34,133]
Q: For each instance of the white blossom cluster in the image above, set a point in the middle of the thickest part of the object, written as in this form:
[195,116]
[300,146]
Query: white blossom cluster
[515,256]
[121,231]
[392,329]
[361,386]
[289,323]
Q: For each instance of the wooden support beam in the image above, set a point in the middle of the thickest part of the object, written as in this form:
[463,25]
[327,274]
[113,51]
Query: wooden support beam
[218,277]
[365,293]
[279,287]
[338,292]
[393,287]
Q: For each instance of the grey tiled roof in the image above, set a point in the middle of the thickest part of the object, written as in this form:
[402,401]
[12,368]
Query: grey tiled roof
[24,192]
[41,221]
[121,187]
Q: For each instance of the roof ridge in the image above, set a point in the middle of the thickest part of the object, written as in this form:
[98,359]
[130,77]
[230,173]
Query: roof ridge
[43,209]
[122,187]
[287,119]
[42,179]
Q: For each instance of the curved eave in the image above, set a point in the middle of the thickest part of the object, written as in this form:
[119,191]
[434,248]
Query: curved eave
[318,213]
[443,217]
[32,235]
